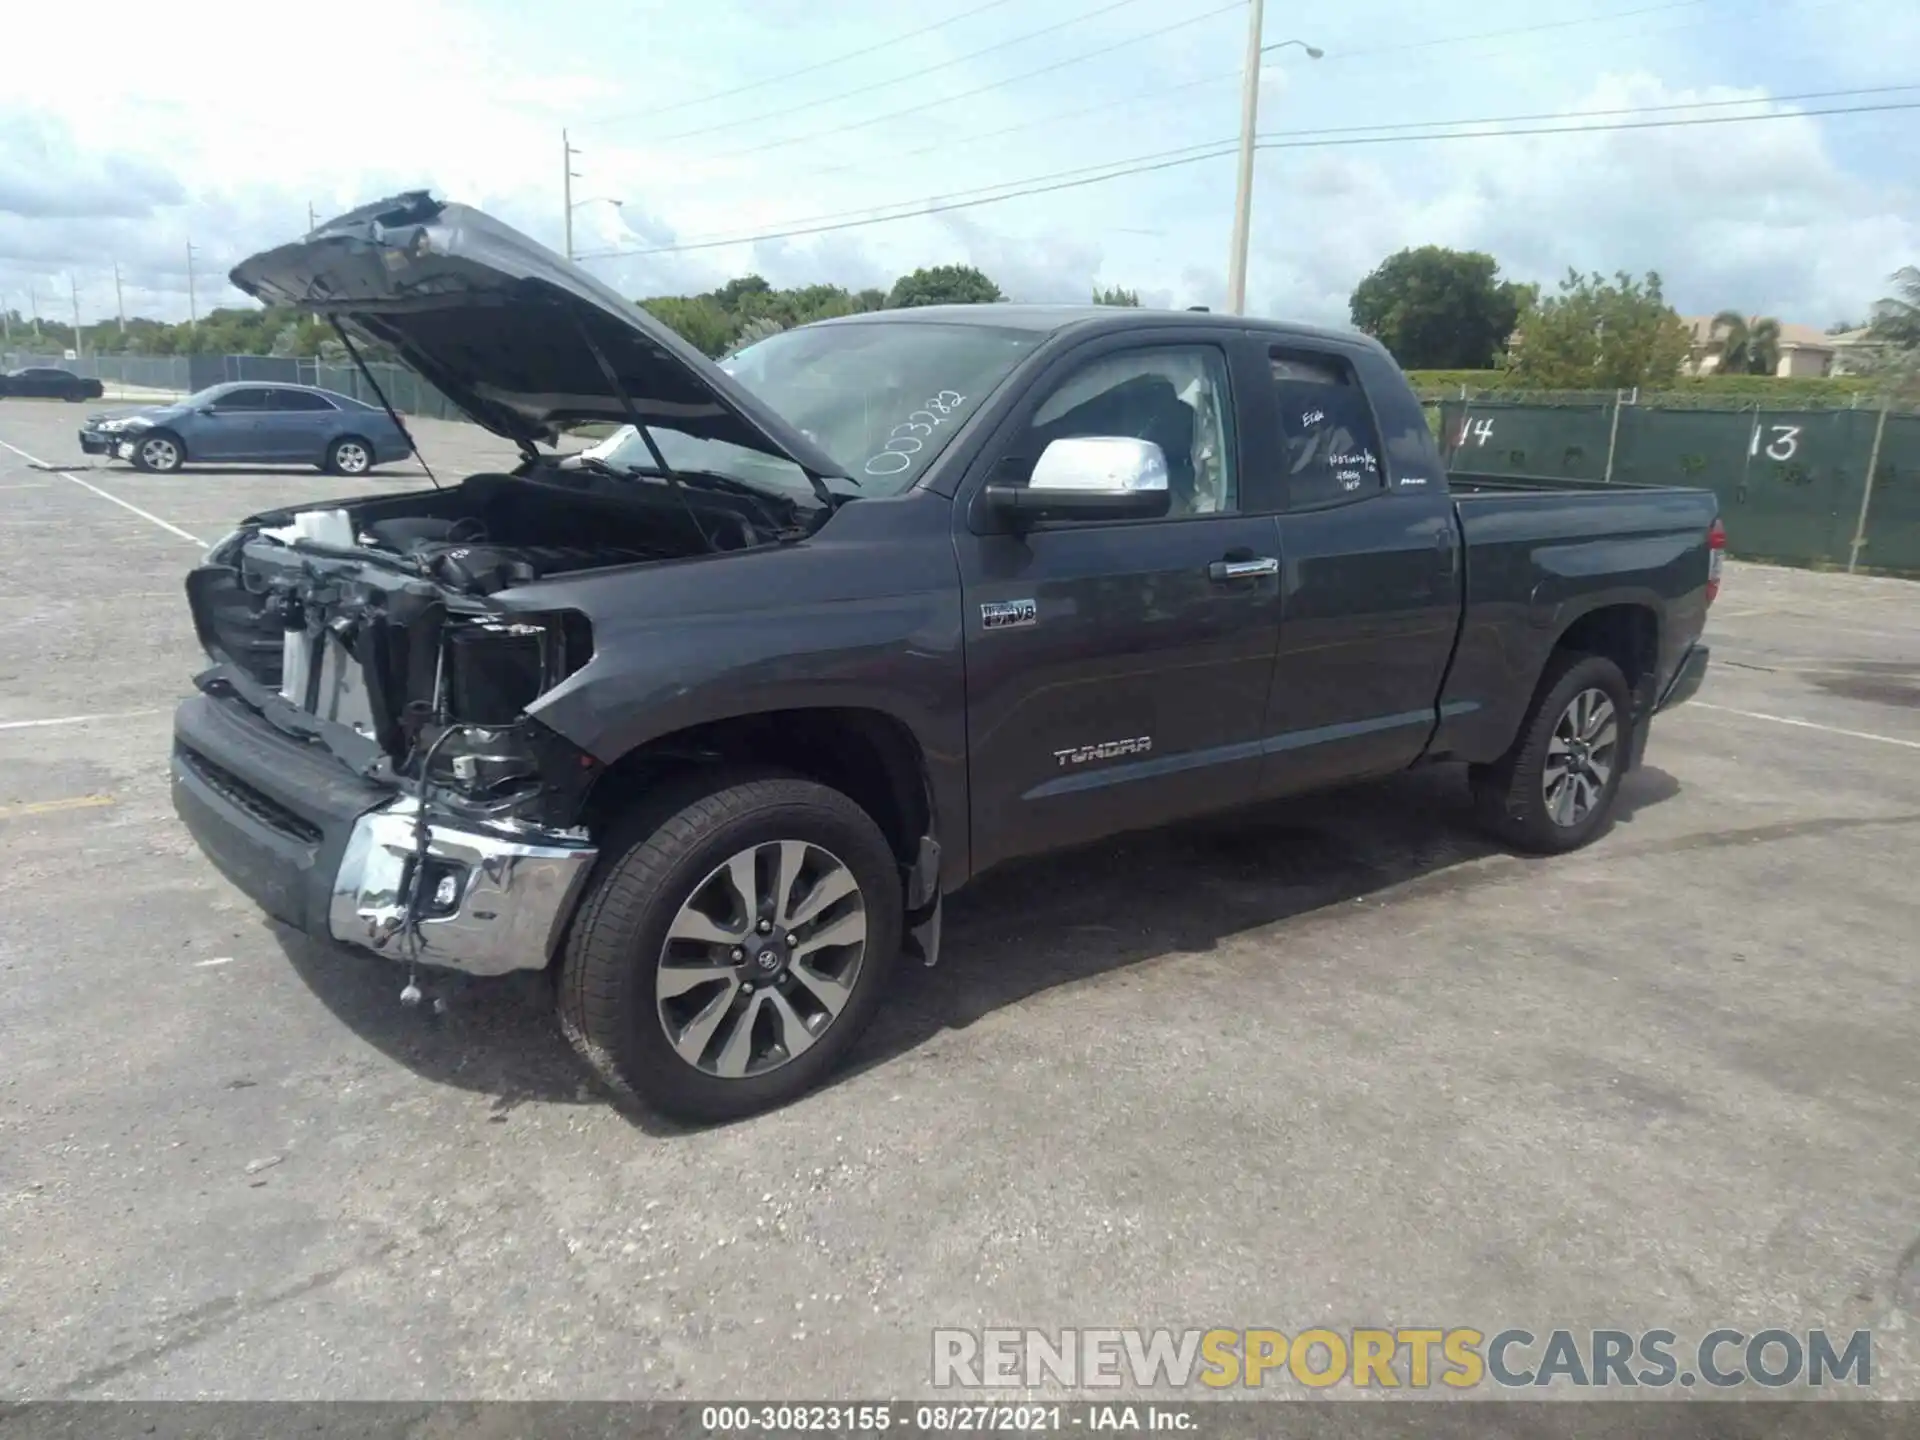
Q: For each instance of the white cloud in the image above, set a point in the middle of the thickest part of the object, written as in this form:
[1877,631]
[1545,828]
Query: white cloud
[238,118]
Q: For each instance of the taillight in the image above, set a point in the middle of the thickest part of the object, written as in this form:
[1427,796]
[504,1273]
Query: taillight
[1716,552]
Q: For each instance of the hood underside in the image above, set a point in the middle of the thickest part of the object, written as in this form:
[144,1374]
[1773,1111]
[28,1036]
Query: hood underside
[522,340]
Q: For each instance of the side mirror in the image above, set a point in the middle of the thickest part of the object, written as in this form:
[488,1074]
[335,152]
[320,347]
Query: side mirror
[1089,477]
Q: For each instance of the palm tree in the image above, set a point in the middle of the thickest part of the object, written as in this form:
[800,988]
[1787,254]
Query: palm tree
[1746,345]
[1896,319]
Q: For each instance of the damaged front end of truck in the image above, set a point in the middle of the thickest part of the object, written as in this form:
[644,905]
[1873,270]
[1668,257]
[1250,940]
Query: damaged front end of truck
[368,754]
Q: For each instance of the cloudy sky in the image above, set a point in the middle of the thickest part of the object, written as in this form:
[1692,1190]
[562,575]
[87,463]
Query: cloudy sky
[219,123]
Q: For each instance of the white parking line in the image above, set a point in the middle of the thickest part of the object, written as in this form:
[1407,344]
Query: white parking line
[166,525]
[75,719]
[1808,725]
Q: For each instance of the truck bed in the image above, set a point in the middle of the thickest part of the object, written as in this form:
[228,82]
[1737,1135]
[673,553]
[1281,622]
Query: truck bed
[1538,550]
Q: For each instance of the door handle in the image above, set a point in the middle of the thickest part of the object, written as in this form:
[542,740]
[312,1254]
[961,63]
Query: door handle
[1243,569]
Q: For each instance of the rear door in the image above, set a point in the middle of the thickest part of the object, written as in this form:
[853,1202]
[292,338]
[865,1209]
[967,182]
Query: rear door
[1371,554]
[295,425]
[1117,671]
[229,428]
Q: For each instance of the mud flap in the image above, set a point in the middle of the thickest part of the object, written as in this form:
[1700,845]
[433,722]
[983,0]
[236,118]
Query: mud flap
[922,940]
[924,904]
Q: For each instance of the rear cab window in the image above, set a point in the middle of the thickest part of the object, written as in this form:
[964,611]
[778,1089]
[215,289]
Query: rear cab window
[1329,444]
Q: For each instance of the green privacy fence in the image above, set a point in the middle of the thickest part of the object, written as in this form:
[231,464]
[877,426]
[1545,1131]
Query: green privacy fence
[1835,488]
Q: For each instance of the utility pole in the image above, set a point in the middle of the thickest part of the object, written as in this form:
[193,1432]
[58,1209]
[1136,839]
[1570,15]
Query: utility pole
[567,177]
[119,299]
[1249,124]
[193,306]
[1243,190]
[33,304]
[312,223]
[73,285]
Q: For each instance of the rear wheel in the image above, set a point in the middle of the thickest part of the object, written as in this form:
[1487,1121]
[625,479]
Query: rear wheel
[159,452]
[733,947]
[1554,790]
[349,455]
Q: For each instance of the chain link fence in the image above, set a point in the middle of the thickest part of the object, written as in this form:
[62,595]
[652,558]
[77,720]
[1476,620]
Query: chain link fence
[139,377]
[1827,487]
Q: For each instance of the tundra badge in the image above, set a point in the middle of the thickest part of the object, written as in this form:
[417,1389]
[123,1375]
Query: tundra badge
[1106,750]
[1008,614]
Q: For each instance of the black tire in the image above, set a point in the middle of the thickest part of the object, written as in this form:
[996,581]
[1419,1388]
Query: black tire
[154,463]
[349,443]
[1510,795]
[608,1004]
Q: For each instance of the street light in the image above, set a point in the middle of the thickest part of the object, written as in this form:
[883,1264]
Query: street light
[1249,120]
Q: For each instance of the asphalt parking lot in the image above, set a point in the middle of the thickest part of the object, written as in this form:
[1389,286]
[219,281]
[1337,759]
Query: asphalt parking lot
[1337,1063]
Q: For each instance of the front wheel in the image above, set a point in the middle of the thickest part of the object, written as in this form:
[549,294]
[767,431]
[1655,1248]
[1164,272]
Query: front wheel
[730,953]
[1554,790]
[160,454]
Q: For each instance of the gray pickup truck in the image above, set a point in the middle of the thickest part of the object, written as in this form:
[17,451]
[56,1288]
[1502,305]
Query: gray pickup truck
[708,721]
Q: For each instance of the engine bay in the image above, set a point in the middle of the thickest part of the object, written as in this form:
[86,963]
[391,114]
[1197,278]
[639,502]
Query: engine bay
[369,626]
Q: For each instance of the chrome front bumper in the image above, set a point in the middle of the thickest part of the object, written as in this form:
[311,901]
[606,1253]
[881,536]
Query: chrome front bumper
[489,903]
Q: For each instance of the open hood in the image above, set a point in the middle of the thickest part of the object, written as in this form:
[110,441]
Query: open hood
[508,330]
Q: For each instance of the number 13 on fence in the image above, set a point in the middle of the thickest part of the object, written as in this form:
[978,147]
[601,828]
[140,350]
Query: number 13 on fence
[1784,445]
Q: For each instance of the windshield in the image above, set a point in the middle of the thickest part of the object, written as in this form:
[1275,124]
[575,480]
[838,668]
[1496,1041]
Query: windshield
[881,399]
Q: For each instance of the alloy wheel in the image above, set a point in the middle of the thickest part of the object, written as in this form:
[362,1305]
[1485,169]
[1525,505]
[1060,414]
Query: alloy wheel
[761,958]
[1580,757]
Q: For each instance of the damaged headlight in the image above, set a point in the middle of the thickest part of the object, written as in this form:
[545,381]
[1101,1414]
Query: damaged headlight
[226,550]
[492,755]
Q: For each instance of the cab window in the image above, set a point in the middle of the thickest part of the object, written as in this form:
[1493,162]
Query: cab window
[1175,396]
[1328,441]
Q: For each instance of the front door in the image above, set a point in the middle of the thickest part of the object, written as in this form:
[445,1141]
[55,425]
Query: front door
[1370,553]
[229,429]
[1117,671]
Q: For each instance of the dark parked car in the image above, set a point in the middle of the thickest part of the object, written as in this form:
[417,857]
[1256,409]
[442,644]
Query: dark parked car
[244,422]
[45,382]
[711,726]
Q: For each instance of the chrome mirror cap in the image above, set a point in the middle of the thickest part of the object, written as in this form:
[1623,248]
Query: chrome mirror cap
[1089,465]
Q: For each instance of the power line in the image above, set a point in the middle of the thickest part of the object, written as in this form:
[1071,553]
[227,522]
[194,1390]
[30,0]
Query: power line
[1173,89]
[893,80]
[1517,30]
[1071,180]
[915,206]
[1079,59]
[1136,100]
[761,84]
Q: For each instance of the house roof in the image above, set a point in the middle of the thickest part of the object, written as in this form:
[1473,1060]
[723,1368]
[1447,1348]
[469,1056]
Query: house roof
[1792,336]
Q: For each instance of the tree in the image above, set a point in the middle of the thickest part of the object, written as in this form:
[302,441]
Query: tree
[1601,335]
[1439,309]
[697,319]
[1114,295]
[1746,346]
[943,285]
[754,331]
[1896,319]
[1893,334]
